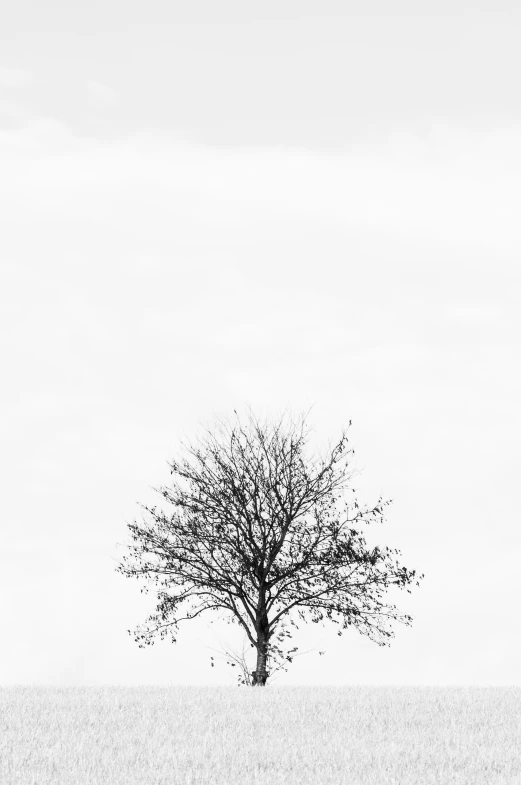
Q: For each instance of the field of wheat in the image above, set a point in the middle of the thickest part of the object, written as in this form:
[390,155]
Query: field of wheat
[276,735]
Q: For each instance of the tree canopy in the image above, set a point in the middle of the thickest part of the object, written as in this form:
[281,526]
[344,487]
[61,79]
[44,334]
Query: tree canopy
[250,525]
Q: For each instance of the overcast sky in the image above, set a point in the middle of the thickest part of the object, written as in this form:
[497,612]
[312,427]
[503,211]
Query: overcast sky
[316,204]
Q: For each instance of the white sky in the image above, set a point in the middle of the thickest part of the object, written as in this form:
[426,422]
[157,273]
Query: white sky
[204,209]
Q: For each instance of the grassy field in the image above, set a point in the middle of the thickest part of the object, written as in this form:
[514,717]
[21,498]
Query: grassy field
[238,736]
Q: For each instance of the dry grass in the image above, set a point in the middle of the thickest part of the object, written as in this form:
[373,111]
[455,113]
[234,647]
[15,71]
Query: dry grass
[238,736]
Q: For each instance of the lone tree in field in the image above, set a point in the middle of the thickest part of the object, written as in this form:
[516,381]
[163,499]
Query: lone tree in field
[256,528]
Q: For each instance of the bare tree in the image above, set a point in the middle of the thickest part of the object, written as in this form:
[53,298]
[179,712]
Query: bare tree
[257,529]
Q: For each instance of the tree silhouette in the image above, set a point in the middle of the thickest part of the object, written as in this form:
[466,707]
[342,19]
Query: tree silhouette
[256,528]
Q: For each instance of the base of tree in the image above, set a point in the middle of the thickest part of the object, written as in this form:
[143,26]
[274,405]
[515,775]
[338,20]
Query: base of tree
[258,679]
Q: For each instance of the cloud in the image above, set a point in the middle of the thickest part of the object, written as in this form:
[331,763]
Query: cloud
[13,111]
[450,189]
[102,93]
[14,77]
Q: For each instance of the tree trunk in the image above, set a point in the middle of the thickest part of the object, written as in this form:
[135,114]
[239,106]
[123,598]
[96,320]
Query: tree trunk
[262,628]
[260,675]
